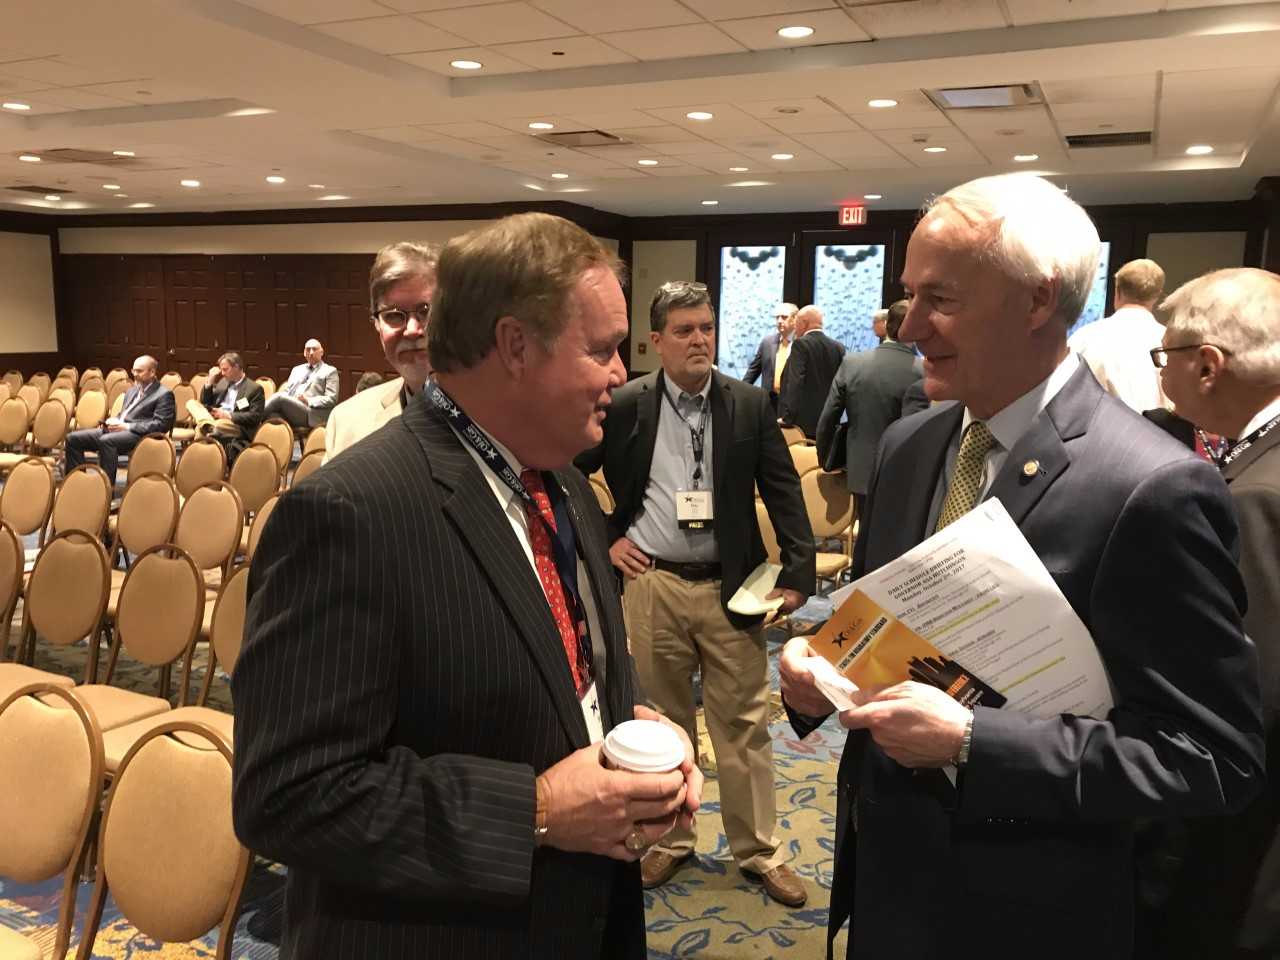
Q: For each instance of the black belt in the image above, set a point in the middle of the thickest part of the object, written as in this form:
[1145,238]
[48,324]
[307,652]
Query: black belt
[689,571]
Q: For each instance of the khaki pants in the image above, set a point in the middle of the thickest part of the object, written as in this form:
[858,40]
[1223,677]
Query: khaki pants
[206,424]
[676,626]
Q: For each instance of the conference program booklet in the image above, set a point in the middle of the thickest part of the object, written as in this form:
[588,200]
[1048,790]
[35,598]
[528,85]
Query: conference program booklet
[971,610]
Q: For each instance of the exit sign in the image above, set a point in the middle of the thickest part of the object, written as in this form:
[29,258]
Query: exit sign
[853,215]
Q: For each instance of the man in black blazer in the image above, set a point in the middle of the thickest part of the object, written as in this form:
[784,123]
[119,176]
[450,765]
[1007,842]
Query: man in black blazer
[868,390]
[772,354]
[1220,368]
[815,358]
[434,645]
[147,408]
[1030,853]
[231,406]
[682,449]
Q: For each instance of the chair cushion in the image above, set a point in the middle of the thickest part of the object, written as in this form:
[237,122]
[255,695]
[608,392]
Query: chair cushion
[14,676]
[116,743]
[114,707]
[829,564]
[14,946]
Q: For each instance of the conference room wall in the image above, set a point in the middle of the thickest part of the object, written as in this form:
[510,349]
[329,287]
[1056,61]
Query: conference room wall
[654,262]
[1185,256]
[32,336]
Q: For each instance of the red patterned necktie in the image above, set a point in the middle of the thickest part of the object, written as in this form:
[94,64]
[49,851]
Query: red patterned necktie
[544,560]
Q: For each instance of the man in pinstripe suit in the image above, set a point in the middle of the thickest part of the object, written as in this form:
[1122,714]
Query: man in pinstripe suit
[415,728]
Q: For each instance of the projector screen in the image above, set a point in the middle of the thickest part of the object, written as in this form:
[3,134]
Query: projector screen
[27,322]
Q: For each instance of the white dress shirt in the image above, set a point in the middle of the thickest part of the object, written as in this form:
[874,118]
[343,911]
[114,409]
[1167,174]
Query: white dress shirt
[1118,351]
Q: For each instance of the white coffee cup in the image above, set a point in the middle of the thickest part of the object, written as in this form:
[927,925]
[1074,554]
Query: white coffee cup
[643,746]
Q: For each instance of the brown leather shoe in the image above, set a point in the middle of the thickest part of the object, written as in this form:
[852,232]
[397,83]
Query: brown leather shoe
[782,885]
[658,866]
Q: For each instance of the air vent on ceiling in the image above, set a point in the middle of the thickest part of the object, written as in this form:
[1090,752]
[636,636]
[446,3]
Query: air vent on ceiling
[581,138]
[986,98]
[41,191]
[1137,138]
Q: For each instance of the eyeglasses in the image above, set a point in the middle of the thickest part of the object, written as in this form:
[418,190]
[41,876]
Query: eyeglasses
[397,319]
[1160,355]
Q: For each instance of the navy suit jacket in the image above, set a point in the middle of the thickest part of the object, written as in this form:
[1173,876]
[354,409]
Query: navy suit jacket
[154,414]
[1032,853]
[762,363]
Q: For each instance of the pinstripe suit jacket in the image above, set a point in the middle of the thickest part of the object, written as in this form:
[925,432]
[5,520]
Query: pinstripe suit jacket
[402,683]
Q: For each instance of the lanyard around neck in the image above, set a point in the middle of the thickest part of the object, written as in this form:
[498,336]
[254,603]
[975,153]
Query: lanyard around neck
[697,436]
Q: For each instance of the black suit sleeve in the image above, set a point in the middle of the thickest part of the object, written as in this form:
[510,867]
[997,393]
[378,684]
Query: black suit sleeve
[780,490]
[1257,506]
[207,396]
[829,419]
[756,367]
[1185,736]
[320,782]
[249,418]
[162,419]
[789,399]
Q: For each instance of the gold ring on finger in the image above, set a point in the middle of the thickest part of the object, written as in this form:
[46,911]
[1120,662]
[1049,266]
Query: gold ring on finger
[635,841]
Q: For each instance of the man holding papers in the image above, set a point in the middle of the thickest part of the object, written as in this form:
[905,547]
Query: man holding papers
[996,831]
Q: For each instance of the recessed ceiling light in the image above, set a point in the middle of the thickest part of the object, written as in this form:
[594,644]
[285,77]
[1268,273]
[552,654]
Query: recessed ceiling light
[935,149]
[752,183]
[122,196]
[882,103]
[795,33]
[782,156]
[873,196]
[1199,150]
[574,190]
[739,169]
[699,115]
[141,206]
[111,186]
[1025,157]
[541,125]
[335,196]
[123,153]
[275,178]
[559,176]
[29,158]
[466,64]
[52,196]
[647,163]
[247,111]
[15,105]
[315,186]
[190,183]
[710,203]
[534,186]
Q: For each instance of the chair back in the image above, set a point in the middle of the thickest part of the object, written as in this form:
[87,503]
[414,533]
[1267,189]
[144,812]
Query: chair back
[59,614]
[70,372]
[115,394]
[171,379]
[42,383]
[50,425]
[161,606]
[171,797]
[255,476]
[153,454]
[828,502]
[30,395]
[14,379]
[65,396]
[308,465]
[268,387]
[61,381]
[210,525]
[148,513]
[316,440]
[90,373]
[604,496]
[51,765]
[83,501]
[27,497]
[772,551]
[12,559]
[15,417]
[804,456]
[226,629]
[278,435]
[792,435]
[91,410]
[92,385]
[259,522]
[197,384]
[114,376]
[6,391]
[182,395]
[202,462]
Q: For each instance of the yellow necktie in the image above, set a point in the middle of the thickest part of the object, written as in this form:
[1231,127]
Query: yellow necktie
[780,361]
[966,482]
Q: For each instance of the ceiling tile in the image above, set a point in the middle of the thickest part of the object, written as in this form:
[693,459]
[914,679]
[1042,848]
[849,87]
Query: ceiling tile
[761,33]
[149,90]
[392,35]
[768,109]
[925,137]
[416,6]
[318,11]
[1029,121]
[521,124]
[1220,81]
[564,53]
[1090,89]
[499,23]
[697,40]
[401,134]
[838,146]
[721,162]
[899,119]
[594,17]
[854,101]
[465,130]
[52,70]
[1050,11]
[1101,116]
[612,119]
[737,9]
[728,120]
[661,134]
[688,148]
[517,145]
[835,123]
[438,62]
[70,98]
[675,170]
[916,17]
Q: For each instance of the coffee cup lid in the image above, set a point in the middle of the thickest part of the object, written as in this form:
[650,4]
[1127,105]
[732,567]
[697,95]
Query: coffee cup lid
[644,746]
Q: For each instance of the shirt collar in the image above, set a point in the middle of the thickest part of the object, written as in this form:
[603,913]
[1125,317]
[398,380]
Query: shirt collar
[1013,421]
[676,393]
[1262,417]
[500,490]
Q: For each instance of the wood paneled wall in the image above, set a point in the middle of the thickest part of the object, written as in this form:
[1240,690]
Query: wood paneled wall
[188,310]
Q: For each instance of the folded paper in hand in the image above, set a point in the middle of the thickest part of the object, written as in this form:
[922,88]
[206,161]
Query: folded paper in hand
[749,600]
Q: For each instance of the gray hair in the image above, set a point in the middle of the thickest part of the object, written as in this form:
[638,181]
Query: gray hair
[1237,310]
[1036,232]
[232,358]
[400,261]
[677,295]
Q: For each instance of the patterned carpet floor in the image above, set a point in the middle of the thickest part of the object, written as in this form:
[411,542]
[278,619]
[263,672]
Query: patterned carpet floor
[708,910]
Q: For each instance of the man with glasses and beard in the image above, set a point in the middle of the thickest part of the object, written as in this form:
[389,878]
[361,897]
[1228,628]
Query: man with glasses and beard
[401,285]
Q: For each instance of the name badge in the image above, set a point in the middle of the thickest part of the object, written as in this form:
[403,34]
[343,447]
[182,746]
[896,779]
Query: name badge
[242,403]
[694,510]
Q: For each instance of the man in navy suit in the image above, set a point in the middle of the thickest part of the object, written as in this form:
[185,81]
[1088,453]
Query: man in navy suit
[1031,852]
[148,408]
[771,356]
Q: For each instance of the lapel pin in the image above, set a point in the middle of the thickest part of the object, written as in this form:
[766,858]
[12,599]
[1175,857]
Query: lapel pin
[1030,468]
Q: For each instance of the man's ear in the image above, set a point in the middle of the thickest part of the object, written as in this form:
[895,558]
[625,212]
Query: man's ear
[1044,301]
[511,344]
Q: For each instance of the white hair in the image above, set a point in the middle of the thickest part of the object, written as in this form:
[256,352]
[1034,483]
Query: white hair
[1237,311]
[1038,233]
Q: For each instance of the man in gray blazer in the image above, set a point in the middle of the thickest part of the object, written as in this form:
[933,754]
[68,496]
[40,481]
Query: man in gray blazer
[868,389]
[147,408]
[305,399]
